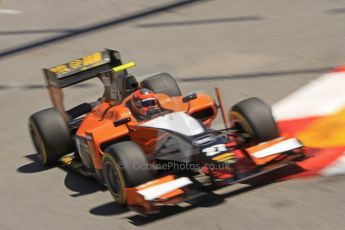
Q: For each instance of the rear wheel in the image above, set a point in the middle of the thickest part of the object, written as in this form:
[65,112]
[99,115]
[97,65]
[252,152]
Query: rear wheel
[254,118]
[162,83]
[124,165]
[50,135]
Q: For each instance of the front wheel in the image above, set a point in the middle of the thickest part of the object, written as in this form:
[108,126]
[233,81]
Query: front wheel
[124,165]
[254,117]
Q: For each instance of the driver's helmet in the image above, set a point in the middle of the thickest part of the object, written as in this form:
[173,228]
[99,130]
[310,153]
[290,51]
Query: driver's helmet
[143,101]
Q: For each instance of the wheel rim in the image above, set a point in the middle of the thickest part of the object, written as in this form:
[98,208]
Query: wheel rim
[238,122]
[113,180]
[34,138]
[38,143]
[236,119]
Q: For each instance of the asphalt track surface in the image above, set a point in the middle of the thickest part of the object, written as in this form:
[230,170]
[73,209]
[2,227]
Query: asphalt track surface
[247,48]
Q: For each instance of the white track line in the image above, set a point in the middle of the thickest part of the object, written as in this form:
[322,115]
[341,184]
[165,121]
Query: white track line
[10,11]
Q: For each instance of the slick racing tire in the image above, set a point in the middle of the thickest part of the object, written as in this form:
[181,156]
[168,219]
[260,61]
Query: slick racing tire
[254,117]
[124,166]
[50,135]
[162,83]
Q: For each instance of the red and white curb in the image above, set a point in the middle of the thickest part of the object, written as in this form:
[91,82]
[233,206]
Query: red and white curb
[335,168]
[315,114]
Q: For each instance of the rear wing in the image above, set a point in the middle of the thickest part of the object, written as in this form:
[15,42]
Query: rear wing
[105,65]
[82,69]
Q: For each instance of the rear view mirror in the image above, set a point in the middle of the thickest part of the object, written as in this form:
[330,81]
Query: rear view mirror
[189,97]
[122,121]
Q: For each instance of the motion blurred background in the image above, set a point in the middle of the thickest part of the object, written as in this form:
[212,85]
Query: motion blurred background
[247,48]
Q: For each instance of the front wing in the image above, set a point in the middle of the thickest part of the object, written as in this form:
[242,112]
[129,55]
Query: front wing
[172,190]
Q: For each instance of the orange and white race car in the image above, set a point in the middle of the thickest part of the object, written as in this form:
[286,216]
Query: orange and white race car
[150,145]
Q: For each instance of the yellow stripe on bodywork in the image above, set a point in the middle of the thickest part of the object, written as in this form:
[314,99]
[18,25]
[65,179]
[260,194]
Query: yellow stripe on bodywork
[325,132]
[226,157]
[124,66]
